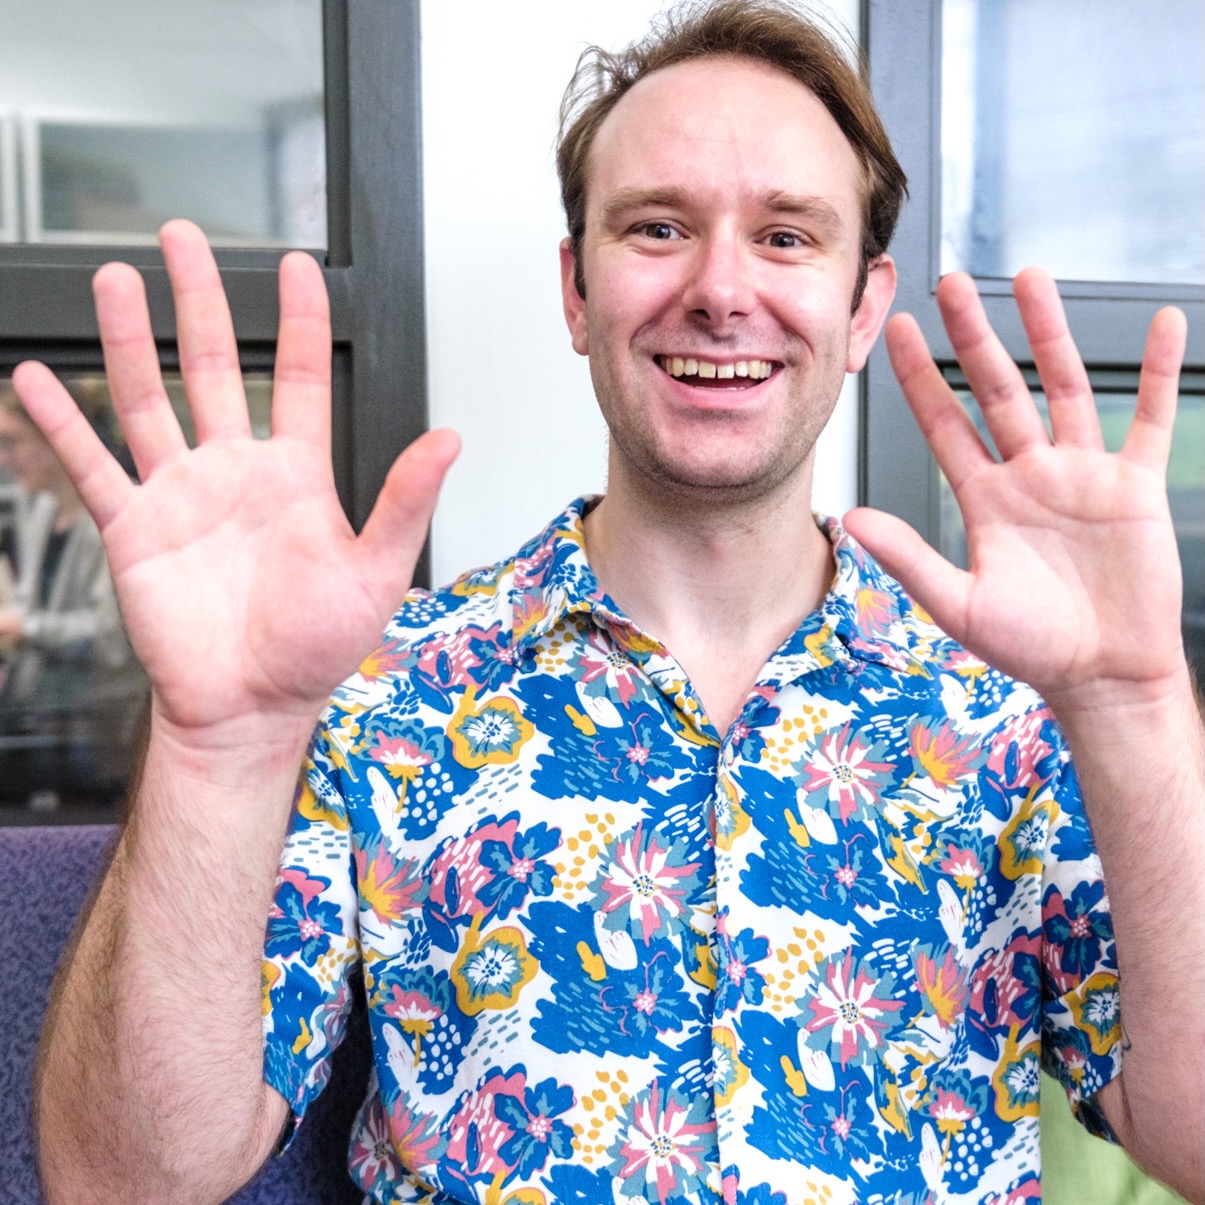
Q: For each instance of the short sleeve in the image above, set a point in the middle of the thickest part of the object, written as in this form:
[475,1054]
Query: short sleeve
[1081,1031]
[310,946]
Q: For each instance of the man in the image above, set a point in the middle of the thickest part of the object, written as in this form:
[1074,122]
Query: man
[685,857]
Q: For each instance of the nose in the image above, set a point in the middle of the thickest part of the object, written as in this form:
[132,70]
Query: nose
[720,285]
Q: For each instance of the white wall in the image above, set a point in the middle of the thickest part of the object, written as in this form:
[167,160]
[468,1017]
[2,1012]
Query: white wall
[502,372]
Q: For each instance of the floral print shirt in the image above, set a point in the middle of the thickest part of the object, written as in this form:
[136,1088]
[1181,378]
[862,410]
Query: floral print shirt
[612,954]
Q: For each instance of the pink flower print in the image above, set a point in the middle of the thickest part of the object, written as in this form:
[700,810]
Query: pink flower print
[642,882]
[417,1138]
[941,755]
[842,767]
[372,1159]
[608,666]
[944,985]
[415,1013]
[450,660]
[401,758]
[950,1112]
[998,996]
[876,610]
[1020,748]
[476,1136]
[661,1145]
[390,658]
[852,1011]
[962,866]
[461,862]
[388,886]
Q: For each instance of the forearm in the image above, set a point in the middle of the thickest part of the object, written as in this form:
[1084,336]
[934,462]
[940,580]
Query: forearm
[150,1077]
[1141,771]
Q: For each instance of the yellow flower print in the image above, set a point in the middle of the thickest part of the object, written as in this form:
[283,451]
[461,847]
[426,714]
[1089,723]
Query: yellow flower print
[491,734]
[269,976]
[320,811]
[1017,1079]
[491,970]
[731,820]
[1023,842]
[1096,1006]
[730,1073]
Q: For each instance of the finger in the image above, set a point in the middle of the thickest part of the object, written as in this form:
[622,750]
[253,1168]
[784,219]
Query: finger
[943,421]
[205,334]
[1000,390]
[392,539]
[132,366]
[1073,418]
[1149,440]
[301,399]
[940,587]
[98,479]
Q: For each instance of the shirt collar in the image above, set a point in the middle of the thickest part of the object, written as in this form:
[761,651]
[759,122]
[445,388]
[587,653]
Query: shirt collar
[865,616]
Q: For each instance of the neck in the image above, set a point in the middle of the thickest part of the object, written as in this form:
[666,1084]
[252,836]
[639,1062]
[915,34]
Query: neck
[721,586]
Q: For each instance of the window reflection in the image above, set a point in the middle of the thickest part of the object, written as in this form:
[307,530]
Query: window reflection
[218,117]
[72,695]
[1073,136]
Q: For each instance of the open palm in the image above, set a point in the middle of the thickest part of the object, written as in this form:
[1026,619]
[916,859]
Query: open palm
[1073,582]
[244,589]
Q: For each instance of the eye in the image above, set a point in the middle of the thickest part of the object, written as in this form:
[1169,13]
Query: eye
[657,230]
[785,240]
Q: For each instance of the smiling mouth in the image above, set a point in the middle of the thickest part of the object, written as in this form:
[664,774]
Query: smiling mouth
[710,374]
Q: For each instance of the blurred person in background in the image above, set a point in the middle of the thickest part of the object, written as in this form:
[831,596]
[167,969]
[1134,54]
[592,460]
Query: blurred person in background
[70,687]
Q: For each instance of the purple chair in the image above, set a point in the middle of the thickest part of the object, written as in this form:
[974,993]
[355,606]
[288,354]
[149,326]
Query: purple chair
[45,876]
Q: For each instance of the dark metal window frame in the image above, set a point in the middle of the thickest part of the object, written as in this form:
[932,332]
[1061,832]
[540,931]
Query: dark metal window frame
[373,263]
[902,39]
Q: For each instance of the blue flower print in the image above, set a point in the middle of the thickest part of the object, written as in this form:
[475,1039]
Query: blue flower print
[519,868]
[1075,929]
[736,978]
[538,1130]
[497,658]
[299,922]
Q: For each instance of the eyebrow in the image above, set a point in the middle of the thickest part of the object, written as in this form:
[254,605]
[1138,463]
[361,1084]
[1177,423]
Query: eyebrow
[627,199]
[817,211]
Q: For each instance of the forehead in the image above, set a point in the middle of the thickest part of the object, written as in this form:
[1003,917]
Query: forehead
[722,128]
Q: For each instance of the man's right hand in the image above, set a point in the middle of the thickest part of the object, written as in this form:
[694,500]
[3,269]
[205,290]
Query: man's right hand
[245,592]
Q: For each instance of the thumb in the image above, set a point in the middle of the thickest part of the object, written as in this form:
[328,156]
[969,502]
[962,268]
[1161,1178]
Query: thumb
[389,545]
[937,585]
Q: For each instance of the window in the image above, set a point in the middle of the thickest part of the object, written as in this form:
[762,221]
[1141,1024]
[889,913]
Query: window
[981,119]
[116,178]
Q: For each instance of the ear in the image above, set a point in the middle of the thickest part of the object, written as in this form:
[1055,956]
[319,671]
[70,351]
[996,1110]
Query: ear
[573,301]
[871,313]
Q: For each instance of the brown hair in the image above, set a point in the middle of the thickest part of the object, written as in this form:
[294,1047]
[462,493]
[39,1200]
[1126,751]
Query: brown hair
[765,31]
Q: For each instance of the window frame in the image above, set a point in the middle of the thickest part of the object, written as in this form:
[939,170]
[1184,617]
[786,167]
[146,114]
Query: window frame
[902,42]
[373,263]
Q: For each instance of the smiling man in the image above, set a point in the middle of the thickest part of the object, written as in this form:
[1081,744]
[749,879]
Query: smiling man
[688,855]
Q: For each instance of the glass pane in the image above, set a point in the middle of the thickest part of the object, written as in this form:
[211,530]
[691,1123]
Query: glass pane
[1186,493]
[1073,136]
[72,694]
[116,116]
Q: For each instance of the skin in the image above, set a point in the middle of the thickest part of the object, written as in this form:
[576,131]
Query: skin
[722,222]
[185,1115]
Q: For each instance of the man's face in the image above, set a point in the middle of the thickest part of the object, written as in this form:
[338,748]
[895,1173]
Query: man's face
[721,252]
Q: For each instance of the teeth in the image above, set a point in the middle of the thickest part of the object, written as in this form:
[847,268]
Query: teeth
[679,366]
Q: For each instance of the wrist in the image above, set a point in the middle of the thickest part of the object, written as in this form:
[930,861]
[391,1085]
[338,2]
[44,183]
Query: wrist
[232,754]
